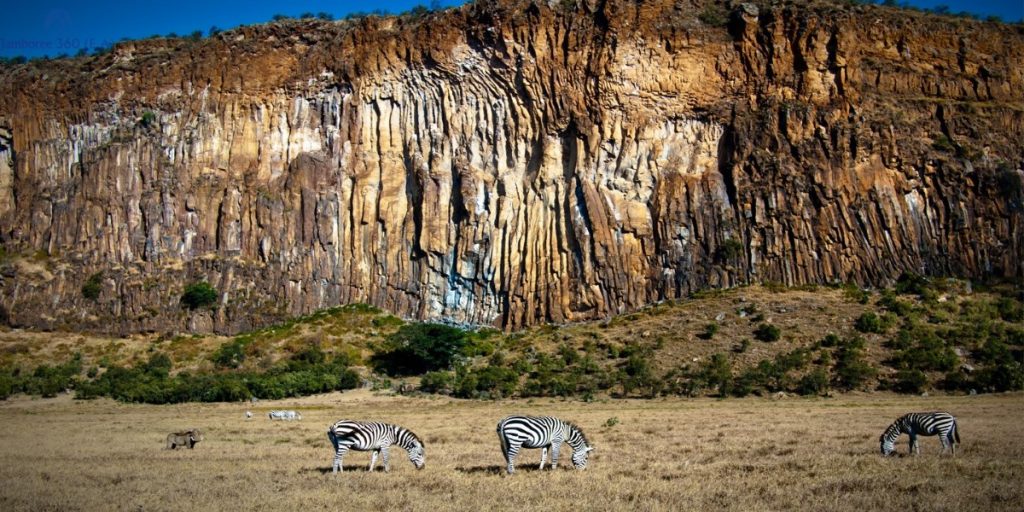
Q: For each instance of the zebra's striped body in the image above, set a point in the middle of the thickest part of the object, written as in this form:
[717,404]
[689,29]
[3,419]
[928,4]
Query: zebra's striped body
[284,415]
[543,432]
[916,424]
[364,436]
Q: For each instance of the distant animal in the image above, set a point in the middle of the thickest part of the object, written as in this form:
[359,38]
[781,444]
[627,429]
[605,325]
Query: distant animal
[365,436]
[916,424]
[543,432]
[284,415]
[248,414]
[187,438]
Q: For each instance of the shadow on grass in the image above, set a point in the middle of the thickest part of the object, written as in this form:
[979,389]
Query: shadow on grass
[347,469]
[500,469]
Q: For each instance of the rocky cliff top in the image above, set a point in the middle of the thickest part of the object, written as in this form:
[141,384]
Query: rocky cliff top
[509,162]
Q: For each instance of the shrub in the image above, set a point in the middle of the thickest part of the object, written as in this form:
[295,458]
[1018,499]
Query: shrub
[148,118]
[230,354]
[489,382]
[851,370]
[928,353]
[93,286]
[714,16]
[909,381]
[855,293]
[636,374]
[709,331]
[831,340]
[730,250]
[767,333]
[419,348]
[743,346]
[717,374]
[913,284]
[441,382]
[1010,310]
[199,294]
[868,323]
[814,383]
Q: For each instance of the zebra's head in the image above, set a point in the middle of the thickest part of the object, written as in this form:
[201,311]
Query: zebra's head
[581,447]
[579,457]
[887,441]
[417,456]
[886,446]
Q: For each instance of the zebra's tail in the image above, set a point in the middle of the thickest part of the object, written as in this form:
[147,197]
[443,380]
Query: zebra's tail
[956,432]
[504,441]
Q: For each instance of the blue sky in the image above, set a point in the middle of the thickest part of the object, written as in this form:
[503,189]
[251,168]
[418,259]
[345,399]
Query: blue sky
[53,27]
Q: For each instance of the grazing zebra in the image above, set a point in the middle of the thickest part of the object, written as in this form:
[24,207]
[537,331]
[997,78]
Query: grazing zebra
[542,432]
[364,436]
[923,424]
[284,415]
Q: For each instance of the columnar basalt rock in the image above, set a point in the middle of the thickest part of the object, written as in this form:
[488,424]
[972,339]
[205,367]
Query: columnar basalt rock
[508,163]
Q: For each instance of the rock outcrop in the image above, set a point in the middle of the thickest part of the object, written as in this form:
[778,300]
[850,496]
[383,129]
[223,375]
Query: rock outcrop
[509,163]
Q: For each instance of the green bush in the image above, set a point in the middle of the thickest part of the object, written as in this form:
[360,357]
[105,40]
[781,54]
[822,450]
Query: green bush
[1010,310]
[927,352]
[199,294]
[93,286]
[909,381]
[230,354]
[486,382]
[868,323]
[855,293]
[709,331]
[419,348]
[892,303]
[852,371]
[442,382]
[714,16]
[816,382]
[767,333]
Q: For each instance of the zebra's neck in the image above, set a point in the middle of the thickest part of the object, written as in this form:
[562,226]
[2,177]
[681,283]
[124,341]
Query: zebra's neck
[405,438]
[893,432]
[576,439]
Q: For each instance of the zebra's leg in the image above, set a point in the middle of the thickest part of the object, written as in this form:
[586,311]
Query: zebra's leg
[543,456]
[944,440]
[385,452]
[915,449]
[373,459]
[556,446]
[338,456]
[510,457]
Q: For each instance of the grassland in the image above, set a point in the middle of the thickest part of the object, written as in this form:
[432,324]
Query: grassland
[663,454]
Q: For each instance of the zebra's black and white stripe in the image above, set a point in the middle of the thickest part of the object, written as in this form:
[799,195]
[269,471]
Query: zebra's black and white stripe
[543,432]
[916,424]
[364,436]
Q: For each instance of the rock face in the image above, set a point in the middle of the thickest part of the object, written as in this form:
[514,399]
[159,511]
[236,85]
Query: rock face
[508,163]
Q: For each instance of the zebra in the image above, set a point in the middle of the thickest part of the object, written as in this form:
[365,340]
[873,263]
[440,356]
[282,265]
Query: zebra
[284,415]
[364,436]
[924,424]
[542,432]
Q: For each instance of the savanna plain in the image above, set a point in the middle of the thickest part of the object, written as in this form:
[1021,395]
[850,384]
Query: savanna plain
[658,454]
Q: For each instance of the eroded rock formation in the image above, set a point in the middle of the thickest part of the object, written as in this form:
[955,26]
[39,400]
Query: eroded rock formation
[509,163]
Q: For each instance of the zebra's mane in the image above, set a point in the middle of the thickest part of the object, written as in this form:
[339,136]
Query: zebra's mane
[411,434]
[573,426]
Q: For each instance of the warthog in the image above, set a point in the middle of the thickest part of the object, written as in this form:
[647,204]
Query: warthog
[186,438]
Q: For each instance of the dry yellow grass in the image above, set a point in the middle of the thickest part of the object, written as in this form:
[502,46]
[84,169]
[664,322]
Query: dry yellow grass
[674,454]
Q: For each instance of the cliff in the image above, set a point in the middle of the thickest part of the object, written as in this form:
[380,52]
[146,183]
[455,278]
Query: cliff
[509,163]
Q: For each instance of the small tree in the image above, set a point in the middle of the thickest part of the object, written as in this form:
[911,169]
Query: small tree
[199,294]
[93,286]
[767,333]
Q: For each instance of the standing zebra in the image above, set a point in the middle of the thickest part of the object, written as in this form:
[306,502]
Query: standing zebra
[542,432]
[923,424]
[364,436]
